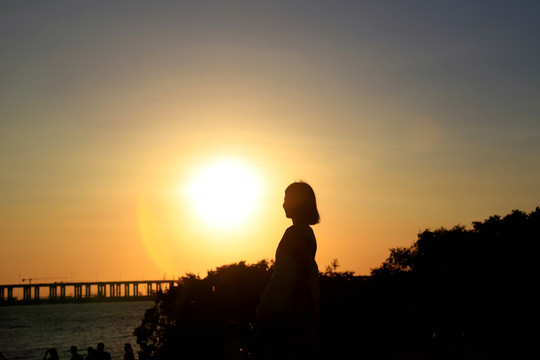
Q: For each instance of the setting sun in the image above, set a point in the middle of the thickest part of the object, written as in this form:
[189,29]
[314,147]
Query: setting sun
[224,193]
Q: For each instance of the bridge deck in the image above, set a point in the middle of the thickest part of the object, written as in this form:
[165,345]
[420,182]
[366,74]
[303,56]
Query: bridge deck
[100,289]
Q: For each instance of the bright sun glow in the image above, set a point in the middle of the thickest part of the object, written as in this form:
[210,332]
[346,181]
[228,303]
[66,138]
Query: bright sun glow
[224,194]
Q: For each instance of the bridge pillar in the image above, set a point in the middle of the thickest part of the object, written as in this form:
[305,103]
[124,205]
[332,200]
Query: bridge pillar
[62,291]
[10,293]
[36,292]
[52,292]
[27,294]
[102,290]
[77,290]
[87,288]
[136,289]
[2,293]
[126,289]
[149,289]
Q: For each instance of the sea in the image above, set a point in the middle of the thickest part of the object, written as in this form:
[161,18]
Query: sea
[27,331]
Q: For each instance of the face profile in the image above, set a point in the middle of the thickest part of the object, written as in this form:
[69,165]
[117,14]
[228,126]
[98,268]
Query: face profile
[290,202]
[300,204]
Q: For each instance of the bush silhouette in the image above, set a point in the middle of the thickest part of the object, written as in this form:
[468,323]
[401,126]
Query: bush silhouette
[200,317]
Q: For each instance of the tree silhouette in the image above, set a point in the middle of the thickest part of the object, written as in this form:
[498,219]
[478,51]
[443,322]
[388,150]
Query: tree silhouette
[197,318]
[473,286]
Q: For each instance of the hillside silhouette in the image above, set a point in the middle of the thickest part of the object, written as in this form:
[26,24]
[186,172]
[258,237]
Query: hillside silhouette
[454,294]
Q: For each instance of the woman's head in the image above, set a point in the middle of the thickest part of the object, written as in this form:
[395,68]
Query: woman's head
[300,204]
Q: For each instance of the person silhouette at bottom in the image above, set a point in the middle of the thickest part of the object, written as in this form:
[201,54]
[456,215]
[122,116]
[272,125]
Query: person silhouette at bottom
[52,354]
[289,308]
[101,353]
[74,354]
[128,352]
[92,353]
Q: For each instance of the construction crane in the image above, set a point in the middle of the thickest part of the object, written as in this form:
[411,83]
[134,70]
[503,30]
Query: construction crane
[30,279]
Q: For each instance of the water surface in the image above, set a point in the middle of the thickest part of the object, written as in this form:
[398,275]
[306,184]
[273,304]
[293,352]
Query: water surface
[26,331]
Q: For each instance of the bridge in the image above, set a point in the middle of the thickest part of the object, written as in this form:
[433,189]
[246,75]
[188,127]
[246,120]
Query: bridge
[83,291]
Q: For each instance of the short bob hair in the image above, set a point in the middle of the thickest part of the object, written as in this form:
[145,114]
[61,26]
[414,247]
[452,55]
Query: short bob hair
[306,210]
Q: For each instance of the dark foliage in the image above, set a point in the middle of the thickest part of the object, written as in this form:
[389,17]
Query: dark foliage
[453,293]
[205,318]
[468,290]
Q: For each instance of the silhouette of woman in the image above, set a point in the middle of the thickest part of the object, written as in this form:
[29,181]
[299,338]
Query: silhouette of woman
[289,308]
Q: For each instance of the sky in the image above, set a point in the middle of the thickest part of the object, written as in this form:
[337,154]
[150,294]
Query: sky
[402,115]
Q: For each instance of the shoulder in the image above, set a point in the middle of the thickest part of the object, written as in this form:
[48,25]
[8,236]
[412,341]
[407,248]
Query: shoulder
[294,233]
[296,236]
[288,242]
[299,232]
[291,232]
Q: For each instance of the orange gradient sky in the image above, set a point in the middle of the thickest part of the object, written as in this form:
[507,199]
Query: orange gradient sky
[401,115]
